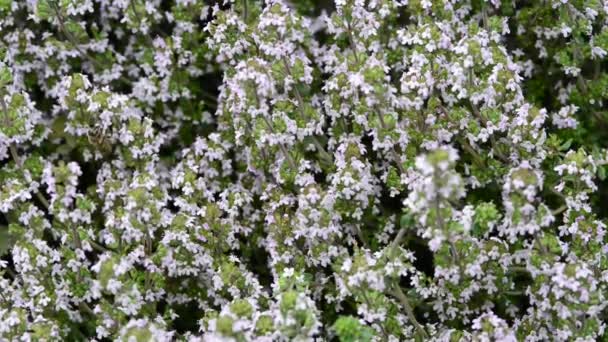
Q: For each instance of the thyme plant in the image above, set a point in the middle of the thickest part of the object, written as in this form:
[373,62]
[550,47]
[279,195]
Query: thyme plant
[304,170]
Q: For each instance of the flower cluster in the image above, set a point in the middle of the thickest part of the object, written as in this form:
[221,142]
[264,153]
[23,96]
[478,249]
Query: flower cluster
[310,170]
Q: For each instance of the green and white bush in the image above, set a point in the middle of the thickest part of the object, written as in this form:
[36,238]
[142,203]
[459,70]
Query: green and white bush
[304,170]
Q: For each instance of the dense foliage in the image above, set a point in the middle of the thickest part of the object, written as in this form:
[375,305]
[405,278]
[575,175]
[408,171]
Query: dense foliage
[364,170]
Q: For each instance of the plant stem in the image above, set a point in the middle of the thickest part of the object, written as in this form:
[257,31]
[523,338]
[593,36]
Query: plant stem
[69,36]
[245,11]
[398,293]
[300,100]
[284,151]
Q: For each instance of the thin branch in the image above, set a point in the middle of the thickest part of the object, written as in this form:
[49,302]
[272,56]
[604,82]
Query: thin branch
[245,11]
[300,100]
[398,293]
[351,41]
[68,35]
[284,151]
[395,154]
[397,240]
[441,224]
[559,210]
[15,154]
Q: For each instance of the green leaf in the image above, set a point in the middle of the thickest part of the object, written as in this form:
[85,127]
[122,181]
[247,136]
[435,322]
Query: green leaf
[44,10]
[349,329]
[6,241]
[566,145]
[5,5]
[601,173]
[407,221]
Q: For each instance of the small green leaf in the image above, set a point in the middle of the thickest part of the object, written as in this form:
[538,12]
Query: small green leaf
[407,221]
[602,173]
[349,329]
[5,5]
[44,10]
[566,145]
[6,241]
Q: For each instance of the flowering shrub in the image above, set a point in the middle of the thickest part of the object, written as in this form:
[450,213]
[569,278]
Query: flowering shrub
[276,170]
